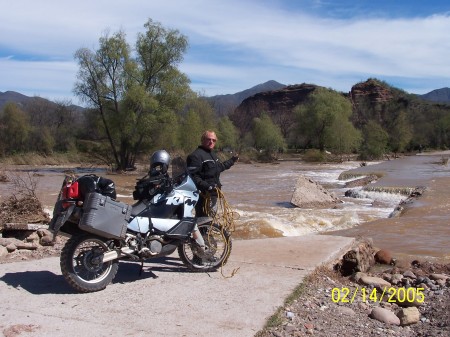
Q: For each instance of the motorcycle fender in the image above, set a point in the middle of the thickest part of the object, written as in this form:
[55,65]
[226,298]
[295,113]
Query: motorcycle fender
[183,229]
[57,222]
[204,219]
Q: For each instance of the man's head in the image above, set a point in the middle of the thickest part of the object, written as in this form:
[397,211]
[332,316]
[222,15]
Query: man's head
[209,140]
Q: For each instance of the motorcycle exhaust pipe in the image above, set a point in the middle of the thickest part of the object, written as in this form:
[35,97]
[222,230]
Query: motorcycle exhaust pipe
[116,254]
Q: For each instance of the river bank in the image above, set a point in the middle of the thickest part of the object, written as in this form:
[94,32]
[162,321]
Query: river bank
[328,304]
[420,228]
[261,194]
[319,315]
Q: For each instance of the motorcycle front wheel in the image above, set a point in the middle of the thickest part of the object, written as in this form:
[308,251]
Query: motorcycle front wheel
[82,263]
[218,243]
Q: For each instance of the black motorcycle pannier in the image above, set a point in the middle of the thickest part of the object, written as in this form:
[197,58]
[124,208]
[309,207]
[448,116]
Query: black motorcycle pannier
[104,216]
[91,183]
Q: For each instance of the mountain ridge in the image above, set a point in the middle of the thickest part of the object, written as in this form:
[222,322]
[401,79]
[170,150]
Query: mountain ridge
[226,104]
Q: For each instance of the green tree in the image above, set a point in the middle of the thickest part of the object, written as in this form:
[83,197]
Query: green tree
[191,131]
[267,135]
[58,123]
[205,111]
[375,141]
[400,132]
[41,140]
[14,129]
[227,134]
[343,136]
[135,96]
[324,122]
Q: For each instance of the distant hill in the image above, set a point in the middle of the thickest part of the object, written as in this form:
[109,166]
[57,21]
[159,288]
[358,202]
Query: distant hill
[279,104]
[14,97]
[370,100]
[22,100]
[438,96]
[225,104]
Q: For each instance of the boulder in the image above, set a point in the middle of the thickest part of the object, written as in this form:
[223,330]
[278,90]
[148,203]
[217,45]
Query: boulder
[409,316]
[384,315]
[439,277]
[376,282]
[358,259]
[3,251]
[27,245]
[47,241]
[309,194]
[383,257]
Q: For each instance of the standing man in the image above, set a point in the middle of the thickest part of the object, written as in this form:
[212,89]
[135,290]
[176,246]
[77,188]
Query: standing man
[205,169]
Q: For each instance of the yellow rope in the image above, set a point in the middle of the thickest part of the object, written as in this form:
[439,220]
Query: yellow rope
[223,215]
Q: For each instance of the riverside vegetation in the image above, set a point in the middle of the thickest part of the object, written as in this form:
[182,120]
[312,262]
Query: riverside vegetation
[333,300]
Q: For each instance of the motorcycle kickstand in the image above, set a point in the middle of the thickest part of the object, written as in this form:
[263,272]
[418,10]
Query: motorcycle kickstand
[142,268]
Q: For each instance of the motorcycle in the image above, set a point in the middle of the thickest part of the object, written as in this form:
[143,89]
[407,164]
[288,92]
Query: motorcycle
[102,231]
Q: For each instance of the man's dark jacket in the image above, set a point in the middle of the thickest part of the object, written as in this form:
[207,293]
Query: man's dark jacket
[205,168]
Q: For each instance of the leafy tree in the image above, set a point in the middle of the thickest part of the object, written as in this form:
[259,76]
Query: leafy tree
[134,96]
[324,122]
[227,134]
[267,135]
[205,111]
[58,122]
[400,133]
[14,129]
[191,131]
[344,137]
[41,140]
[375,141]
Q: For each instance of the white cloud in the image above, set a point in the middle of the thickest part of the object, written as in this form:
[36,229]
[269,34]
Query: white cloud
[51,80]
[233,45]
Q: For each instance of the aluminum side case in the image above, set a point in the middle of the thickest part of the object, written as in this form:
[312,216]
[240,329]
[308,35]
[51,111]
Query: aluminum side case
[104,216]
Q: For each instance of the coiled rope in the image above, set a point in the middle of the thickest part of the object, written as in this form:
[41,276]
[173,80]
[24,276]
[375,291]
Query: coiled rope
[224,216]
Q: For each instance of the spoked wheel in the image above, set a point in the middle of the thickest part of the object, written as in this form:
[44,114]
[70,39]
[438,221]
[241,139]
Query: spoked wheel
[218,243]
[82,263]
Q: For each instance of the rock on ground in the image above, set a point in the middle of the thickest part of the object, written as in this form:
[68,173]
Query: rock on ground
[310,194]
[330,304]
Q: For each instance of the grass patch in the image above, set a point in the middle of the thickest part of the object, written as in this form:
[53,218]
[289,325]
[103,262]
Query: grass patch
[300,290]
[277,318]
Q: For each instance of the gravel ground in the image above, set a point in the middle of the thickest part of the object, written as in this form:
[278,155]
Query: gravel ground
[319,309]
[329,304]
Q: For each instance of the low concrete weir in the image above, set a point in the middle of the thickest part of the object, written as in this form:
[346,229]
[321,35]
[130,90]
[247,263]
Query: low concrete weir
[164,299]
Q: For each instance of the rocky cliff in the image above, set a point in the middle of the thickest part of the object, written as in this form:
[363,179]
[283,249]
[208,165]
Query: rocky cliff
[279,104]
[372,99]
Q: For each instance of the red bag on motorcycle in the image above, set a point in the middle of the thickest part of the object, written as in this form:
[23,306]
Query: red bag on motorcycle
[70,191]
[82,186]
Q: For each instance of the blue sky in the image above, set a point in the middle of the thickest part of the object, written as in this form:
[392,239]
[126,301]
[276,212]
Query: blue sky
[236,44]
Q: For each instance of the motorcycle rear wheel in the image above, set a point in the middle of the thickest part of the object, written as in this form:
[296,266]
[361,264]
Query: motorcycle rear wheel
[82,266]
[218,242]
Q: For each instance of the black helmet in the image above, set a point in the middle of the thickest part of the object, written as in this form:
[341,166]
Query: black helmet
[159,161]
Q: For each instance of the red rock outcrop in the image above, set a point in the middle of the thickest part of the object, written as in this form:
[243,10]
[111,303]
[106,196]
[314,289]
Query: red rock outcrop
[279,104]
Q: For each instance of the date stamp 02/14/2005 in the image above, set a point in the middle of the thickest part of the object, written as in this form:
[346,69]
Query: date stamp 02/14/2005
[394,295]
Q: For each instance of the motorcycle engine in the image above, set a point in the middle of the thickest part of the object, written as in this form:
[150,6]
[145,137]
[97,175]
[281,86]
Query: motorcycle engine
[155,247]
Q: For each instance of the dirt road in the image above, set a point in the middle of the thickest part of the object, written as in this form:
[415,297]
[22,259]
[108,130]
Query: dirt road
[165,300]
